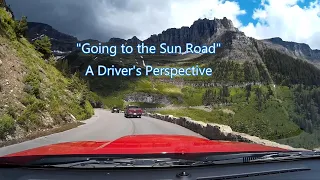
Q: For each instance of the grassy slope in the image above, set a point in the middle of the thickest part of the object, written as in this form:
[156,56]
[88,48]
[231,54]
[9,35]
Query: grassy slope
[307,140]
[48,97]
[272,122]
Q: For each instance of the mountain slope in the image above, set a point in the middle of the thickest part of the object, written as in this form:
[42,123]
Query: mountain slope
[34,95]
[300,50]
[61,43]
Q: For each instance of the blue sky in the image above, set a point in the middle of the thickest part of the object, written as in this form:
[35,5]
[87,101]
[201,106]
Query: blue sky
[292,20]
[250,5]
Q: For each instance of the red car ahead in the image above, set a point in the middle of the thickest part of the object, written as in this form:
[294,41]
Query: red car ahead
[133,111]
[159,157]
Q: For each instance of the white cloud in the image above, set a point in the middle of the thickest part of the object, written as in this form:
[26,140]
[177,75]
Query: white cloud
[184,13]
[285,19]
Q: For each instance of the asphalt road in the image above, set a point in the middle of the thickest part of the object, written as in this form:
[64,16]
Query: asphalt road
[104,125]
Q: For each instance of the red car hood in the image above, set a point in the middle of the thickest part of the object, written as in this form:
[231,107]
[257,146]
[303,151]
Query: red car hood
[145,144]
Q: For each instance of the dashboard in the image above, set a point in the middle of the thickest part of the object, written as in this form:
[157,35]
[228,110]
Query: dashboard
[308,169]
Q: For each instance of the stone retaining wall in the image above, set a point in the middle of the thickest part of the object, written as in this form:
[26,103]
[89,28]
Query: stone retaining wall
[198,83]
[214,131]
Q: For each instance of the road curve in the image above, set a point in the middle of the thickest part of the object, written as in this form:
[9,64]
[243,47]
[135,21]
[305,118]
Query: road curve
[104,125]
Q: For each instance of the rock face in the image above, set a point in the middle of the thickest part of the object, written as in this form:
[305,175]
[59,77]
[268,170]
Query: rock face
[217,131]
[134,40]
[200,33]
[235,45]
[299,50]
[148,98]
[117,41]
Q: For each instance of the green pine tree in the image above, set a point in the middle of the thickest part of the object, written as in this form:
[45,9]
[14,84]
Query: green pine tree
[21,27]
[43,45]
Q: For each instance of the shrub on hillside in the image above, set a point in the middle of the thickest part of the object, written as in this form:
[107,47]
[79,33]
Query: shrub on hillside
[21,27]
[32,83]
[82,111]
[7,126]
[30,118]
[43,45]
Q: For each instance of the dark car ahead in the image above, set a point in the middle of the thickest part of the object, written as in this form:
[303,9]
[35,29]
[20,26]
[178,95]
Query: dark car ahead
[133,111]
[115,110]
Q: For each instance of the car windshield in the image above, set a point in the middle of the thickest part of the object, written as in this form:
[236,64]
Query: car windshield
[157,83]
[133,107]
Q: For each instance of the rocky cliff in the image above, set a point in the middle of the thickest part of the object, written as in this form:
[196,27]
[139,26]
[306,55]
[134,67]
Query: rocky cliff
[235,44]
[201,32]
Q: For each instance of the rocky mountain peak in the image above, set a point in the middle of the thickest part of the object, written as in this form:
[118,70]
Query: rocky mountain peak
[36,29]
[289,44]
[276,39]
[227,23]
[116,41]
[202,31]
[134,40]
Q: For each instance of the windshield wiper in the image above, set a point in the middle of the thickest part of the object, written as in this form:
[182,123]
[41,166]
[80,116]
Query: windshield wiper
[287,156]
[260,157]
[120,162]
